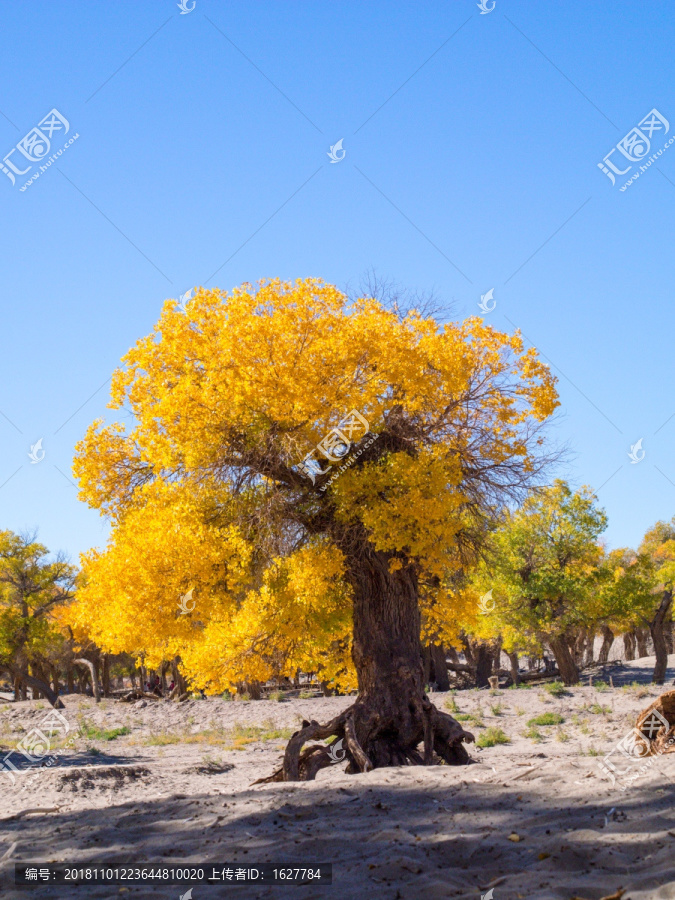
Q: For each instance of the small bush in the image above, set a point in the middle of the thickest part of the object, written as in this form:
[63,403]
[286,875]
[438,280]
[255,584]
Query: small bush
[533,734]
[492,736]
[597,709]
[520,711]
[306,695]
[593,752]
[562,736]
[547,718]
[451,703]
[93,733]
[276,696]
[497,709]
[601,685]
[519,687]
[555,688]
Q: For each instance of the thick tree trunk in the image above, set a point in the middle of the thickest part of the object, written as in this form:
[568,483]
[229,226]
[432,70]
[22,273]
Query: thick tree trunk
[590,647]
[483,658]
[641,635]
[468,652]
[105,675]
[426,663]
[55,680]
[392,715]
[660,647]
[497,657]
[515,673]
[607,641]
[578,645]
[569,673]
[440,667]
[39,686]
[93,675]
[629,646]
[668,635]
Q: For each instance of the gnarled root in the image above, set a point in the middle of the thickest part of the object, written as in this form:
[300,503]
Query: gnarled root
[371,742]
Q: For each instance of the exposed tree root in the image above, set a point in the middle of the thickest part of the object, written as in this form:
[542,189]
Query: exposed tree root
[373,741]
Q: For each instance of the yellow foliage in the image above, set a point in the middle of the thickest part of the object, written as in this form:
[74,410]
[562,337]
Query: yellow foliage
[204,490]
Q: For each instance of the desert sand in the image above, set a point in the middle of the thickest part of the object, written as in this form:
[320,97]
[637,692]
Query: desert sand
[535,818]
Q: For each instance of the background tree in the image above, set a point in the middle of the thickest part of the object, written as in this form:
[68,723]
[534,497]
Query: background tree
[228,399]
[658,545]
[545,570]
[32,587]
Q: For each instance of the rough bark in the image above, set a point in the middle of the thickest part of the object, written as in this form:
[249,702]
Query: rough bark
[105,675]
[92,674]
[569,673]
[656,630]
[590,647]
[483,658]
[641,635]
[629,646]
[391,715]
[55,680]
[668,635]
[439,667]
[515,673]
[37,685]
[607,641]
[497,656]
[578,645]
[426,663]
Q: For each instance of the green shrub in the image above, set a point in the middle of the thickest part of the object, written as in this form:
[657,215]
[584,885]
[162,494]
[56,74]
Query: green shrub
[451,703]
[556,688]
[492,736]
[547,718]
[93,733]
[277,696]
[533,734]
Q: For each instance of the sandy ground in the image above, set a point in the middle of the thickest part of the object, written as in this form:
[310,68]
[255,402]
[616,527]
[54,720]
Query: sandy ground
[177,790]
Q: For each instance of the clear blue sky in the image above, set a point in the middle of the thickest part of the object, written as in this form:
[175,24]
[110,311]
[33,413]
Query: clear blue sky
[472,141]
